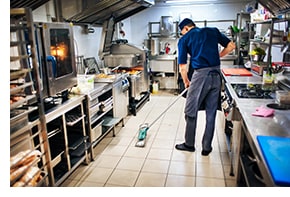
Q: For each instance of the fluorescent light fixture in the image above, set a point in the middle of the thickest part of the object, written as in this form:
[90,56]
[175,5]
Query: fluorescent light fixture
[188,1]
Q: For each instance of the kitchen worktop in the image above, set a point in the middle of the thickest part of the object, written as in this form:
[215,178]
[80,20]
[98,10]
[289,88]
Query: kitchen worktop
[277,125]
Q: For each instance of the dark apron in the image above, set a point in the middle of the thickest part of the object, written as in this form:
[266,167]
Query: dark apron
[196,85]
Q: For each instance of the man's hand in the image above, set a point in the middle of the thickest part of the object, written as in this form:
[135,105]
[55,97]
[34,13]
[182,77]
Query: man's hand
[183,72]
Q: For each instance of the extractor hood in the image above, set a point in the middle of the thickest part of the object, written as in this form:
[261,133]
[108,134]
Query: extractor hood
[99,11]
[33,4]
[276,6]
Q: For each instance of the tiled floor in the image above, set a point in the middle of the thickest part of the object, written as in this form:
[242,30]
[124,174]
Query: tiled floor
[118,163]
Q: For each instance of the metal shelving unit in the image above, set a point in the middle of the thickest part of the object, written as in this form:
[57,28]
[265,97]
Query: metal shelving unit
[26,135]
[270,42]
[243,36]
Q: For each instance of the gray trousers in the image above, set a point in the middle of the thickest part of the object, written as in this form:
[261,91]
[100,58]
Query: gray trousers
[209,95]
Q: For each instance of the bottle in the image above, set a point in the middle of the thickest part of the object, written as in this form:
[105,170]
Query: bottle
[267,73]
[288,37]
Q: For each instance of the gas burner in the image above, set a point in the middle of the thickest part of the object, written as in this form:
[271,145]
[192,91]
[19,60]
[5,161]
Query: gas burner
[252,91]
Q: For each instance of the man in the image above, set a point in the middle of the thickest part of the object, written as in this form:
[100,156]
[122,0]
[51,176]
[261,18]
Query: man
[204,88]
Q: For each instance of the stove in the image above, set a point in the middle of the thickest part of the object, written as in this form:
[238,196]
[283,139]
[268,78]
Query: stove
[254,91]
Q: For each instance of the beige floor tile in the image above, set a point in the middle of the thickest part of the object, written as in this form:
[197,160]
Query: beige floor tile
[118,163]
[90,184]
[131,163]
[182,168]
[209,170]
[128,131]
[121,140]
[98,175]
[209,182]
[123,177]
[180,181]
[106,161]
[147,179]
[163,143]
[137,152]
[70,183]
[99,148]
[155,166]
[106,140]
[186,156]
[79,173]
[166,134]
[231,183]
[225,158]
[212,158]
[114,150]
[157,153]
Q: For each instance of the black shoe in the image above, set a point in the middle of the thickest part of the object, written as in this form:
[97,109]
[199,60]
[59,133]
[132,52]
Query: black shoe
[184,147]
[206,152]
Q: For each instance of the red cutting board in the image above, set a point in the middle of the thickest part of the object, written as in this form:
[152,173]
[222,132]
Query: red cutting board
[236,72]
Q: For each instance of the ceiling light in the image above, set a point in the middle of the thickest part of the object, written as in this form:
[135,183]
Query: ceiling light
[188,1]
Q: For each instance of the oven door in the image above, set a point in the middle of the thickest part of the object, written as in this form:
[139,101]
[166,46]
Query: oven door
[58,56]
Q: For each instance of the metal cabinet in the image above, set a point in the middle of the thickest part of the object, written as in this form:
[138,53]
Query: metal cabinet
[67,138]
[252,170]
[101,119]
[165,70]
[29,159]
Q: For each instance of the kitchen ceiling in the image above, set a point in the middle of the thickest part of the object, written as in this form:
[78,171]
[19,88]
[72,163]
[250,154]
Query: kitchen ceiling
[33,4]
[197,2]
[96,12]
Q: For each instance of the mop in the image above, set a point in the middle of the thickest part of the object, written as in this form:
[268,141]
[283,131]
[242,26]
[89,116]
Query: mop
[143,128]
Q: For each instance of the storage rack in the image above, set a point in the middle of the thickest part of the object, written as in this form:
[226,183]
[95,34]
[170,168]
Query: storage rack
[270,43]
[242,37]
[26,134]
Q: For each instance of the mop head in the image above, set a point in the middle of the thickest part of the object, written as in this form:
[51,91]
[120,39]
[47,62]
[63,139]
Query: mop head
[142,135]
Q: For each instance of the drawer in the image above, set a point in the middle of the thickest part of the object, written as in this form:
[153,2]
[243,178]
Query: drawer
[96,132]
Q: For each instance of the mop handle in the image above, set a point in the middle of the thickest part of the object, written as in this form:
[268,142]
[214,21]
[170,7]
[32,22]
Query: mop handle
[177,98]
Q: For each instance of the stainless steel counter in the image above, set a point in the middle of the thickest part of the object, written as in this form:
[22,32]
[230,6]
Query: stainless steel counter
[277,125]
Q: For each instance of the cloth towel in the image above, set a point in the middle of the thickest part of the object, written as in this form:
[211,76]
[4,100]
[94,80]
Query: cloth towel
[263,112]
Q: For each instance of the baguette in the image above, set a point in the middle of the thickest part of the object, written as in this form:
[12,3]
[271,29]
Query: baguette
[31,176]
[24,158]
[17,172]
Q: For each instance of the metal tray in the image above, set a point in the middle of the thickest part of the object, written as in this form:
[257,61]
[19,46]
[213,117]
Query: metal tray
[16,74]
[19,88]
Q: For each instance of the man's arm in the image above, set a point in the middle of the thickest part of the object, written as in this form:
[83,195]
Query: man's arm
[230,47]
[183,72]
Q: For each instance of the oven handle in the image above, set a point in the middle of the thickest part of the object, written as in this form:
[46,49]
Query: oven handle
[52,59]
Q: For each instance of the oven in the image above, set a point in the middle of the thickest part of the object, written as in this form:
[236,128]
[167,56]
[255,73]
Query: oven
[133,60]
[57,66]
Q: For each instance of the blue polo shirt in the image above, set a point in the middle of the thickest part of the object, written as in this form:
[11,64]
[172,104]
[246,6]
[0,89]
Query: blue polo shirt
[202,46]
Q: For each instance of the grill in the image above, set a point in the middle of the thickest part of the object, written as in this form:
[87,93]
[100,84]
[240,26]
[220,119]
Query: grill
[133,60]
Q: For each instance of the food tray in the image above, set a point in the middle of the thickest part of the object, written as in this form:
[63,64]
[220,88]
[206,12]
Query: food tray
[22,101]
[16,74]
[104,78]
[19,88]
